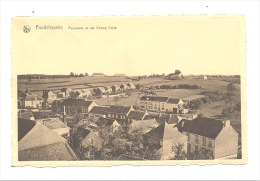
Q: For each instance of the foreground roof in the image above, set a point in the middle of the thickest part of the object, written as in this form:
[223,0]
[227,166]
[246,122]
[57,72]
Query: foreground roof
[207,127]
[39,136]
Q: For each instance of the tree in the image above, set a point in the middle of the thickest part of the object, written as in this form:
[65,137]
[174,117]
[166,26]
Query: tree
[81,75]
[138,86]
[229,100]
[72,74]
[86,74]
[195,104]
[179,152]
[177,71]
[200,154]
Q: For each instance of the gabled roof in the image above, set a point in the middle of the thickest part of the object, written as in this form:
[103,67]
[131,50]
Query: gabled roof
[207,127]
[39,136]
[173,101]
[154,98]
[143,125]
[164,131]
[102,89]
[52,152]
[106,121]
[32,98]
[76,102]
[99,110]
[119,109]
[24,126]
[54,124]
[137,115]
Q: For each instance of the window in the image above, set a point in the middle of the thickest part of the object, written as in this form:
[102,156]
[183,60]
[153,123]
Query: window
[210,143]
[197,139]
[204,141]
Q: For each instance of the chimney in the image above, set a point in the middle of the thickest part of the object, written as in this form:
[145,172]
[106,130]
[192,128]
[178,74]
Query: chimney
[226,123]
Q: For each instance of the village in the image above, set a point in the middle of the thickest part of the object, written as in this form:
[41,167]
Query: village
[103,123]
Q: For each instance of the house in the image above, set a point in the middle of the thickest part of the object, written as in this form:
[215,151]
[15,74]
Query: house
[176,75]
[97,112]
[119,112]
[204,77]
[115,88]
[142,126]
[86,138]
[43,144]
[176,106]
[61,95]
[67,91]
[101,90]
[32,101]
[120,75]
[72,106]
[131,85]
[124,87]
[215,135]
[98,75]
[108,89]
[49,96]
[136,115]
[162,104]
[56,125]
[81,93]
[165,137]
[112,124]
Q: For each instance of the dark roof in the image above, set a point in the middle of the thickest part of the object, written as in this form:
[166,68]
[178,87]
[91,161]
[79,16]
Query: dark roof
[173,101]
[173,119]
[24,126]
[76,102]
[119,109]
[165,131]
[154,98]
[99,110]
[151,116]
[207,127]
[137,115]
[106,121]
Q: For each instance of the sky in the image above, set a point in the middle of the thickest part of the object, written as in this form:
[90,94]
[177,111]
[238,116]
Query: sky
[140,45]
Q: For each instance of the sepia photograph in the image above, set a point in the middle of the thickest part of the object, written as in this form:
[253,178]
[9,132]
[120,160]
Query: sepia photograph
[139,90]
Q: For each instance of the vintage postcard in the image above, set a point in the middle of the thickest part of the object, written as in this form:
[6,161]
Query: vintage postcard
[136,90]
